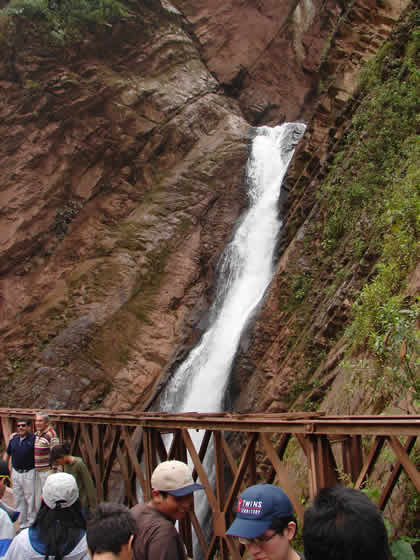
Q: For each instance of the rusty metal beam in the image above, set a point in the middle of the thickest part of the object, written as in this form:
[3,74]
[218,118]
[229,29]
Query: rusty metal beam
[404,460]
[282,475]
[133,458]
[293,423]
[370,461]
[200,470]
[243,465]
[199,533]
[395,475]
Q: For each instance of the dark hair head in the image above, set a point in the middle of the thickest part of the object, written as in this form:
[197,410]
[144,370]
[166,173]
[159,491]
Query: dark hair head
[60,529]
[59,451]
[27,421]
[281,523]
[109,527]
[342,523]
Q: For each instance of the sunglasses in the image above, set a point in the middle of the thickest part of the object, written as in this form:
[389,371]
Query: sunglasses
[21,425]
[258,540]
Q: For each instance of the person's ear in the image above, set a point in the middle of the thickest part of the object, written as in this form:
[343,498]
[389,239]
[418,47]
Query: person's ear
[127,549]
[156,497]
[290,530]
[130,542]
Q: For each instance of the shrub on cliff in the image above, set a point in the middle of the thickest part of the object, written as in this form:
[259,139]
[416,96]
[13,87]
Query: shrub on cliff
[373,203]
[65,19]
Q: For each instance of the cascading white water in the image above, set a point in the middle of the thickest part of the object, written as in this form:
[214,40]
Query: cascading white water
[246,270]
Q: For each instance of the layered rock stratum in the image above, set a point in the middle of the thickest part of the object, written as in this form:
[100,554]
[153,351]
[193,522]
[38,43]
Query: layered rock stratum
[122,178]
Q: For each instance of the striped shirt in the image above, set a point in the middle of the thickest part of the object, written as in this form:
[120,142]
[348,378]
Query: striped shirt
[43,444]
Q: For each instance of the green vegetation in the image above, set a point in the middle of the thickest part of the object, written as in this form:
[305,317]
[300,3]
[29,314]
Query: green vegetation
[372,205]
[401,546]
[301,286]
[16,366]
[66,19]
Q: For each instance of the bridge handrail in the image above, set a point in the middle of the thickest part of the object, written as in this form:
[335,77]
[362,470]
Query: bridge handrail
[124,448]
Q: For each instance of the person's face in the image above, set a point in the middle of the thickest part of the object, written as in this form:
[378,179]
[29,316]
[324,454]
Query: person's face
[41,423]
[270,545]
[23,429]
[174,507]
[60,461]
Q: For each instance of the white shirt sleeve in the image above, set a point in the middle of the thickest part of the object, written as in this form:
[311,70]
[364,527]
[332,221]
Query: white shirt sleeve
[7,530]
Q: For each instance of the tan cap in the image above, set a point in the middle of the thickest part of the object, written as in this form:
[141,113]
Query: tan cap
[174,477]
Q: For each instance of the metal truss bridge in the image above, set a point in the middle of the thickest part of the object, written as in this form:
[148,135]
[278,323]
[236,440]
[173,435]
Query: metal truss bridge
[301,452]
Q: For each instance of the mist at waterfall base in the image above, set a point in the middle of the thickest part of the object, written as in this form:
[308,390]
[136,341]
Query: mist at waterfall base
[245,272]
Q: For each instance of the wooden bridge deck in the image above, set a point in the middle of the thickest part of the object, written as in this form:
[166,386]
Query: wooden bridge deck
[122,449]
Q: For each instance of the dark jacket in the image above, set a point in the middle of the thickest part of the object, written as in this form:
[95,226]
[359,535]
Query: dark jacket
[156,538]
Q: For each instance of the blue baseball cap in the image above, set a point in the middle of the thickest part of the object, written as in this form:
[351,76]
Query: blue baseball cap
[257,507]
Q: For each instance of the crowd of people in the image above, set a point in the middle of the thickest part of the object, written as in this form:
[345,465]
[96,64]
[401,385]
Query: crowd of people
[53,493]
[60,519]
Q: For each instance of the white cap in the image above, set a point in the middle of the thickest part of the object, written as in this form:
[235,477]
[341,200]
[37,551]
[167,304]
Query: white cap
[60,491]
[174,477]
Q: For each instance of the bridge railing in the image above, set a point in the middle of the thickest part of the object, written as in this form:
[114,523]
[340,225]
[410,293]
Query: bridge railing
[300,452]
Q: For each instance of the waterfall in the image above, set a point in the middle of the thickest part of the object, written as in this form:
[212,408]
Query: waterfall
[245,272]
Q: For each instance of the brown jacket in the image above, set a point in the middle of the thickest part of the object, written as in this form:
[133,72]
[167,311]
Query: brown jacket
[157,538]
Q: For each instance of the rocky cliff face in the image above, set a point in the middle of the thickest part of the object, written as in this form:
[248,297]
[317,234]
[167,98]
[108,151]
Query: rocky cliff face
[123,154]
[301,351]
[121,164]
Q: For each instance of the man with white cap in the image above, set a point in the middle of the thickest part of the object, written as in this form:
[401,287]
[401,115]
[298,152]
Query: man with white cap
[58,531]
[265,523]
[172,497]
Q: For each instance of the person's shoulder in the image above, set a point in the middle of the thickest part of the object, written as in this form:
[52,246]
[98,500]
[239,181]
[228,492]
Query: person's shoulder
[30,438]
[140,509]
[77,465]
[6,526]
[11,444]
[149,515]
[79,552]
[41,435]
[22,538]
